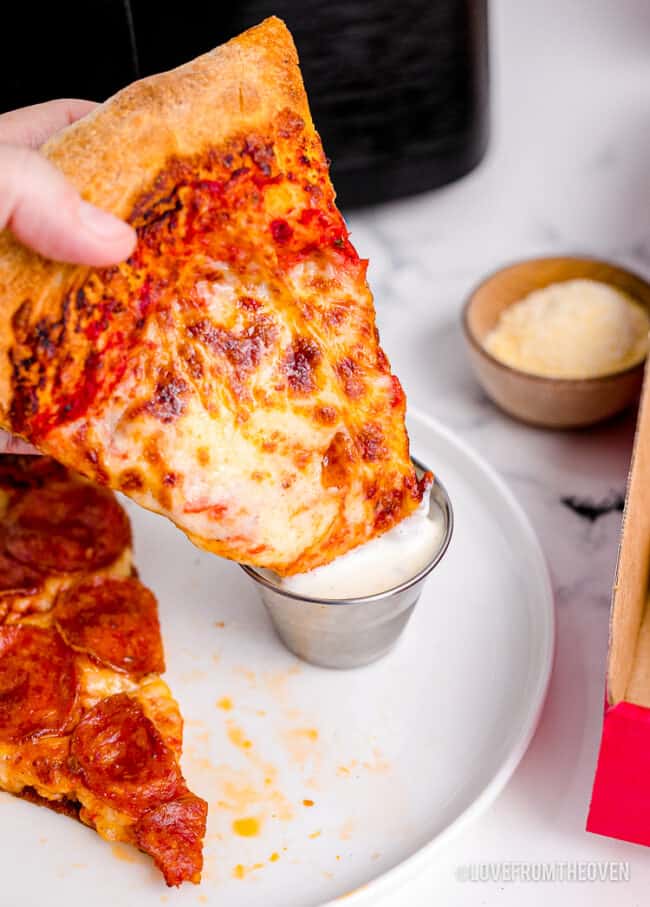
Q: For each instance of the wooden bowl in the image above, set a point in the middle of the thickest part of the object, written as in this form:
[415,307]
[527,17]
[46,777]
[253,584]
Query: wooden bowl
[549,402]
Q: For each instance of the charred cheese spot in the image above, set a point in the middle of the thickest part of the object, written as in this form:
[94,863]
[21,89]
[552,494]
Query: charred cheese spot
[326,415]
[261,153]
[348,372]
[249,304]
[168,402]
[192,360]
[371,490]
[307,310]
[241,351]
[300,363]
[131,480]
[371,443]
[386,508]
[336,315]
[289,123]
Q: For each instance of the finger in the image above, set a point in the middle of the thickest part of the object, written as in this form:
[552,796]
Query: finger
[44,212]
[33,125]
[12,444]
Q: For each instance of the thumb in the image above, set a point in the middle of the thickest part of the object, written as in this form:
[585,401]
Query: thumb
[45,212]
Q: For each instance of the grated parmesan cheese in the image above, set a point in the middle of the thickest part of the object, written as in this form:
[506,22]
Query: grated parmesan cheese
[573,329]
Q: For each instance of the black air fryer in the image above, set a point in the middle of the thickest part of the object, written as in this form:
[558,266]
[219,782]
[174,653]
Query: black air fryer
[398,90]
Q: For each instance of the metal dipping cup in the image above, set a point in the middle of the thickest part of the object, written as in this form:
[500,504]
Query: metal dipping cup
[350,632]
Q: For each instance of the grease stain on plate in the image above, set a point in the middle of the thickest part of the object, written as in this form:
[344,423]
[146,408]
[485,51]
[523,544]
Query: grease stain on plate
[246,786]
[123,853]
[250,789]
[240,871]
[195,675]
[379,764]
[248,827]
[301,744]
[237,736]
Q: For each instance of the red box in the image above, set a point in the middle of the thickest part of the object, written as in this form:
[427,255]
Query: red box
[620,799]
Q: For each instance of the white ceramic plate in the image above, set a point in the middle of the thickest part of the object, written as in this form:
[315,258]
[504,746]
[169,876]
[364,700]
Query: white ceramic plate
[354,777]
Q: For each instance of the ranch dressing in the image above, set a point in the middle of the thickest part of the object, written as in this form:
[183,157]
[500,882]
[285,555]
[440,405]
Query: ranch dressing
[381,564]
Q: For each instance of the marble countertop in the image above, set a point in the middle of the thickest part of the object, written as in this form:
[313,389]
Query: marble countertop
[568,170]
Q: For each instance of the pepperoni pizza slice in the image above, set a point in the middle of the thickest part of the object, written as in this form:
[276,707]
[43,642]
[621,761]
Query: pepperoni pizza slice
[229,374]
[87,726]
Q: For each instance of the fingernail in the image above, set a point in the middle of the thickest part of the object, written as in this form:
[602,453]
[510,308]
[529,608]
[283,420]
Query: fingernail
[101,223]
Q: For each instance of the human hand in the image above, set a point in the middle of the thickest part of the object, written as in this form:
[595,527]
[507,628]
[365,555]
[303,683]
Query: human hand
[41,208]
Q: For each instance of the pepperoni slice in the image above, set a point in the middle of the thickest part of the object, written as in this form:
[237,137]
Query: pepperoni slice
[67,526]
[115,621]
[172,834]
[26,471]
[122,757]
[16,578]
[38,684]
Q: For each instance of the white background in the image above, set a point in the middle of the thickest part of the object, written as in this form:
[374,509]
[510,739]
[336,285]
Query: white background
[567,171]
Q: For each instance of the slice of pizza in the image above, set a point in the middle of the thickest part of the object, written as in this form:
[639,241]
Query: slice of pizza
[87,726]
[229,374]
